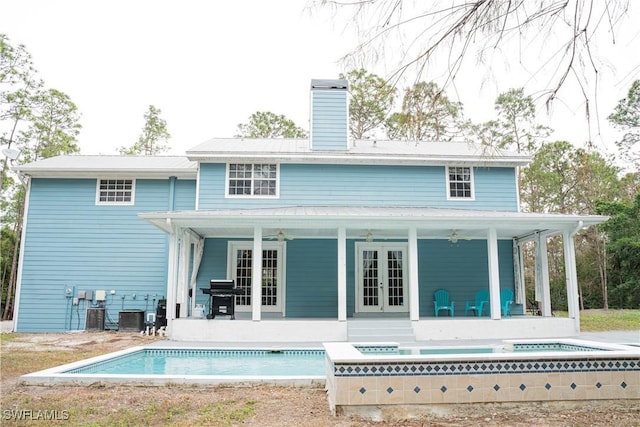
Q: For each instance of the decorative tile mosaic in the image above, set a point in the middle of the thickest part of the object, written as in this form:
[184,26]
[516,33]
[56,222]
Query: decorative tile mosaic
[434,368]
[551,346]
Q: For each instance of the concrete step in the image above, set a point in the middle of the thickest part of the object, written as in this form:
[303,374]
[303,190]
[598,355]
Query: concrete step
[380,330]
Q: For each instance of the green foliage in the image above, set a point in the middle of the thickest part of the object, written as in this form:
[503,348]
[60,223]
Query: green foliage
[265,124]
[626,116]
[623,231]
[154,137]
[565,179]
[514,129]
[427,115]
[371,100]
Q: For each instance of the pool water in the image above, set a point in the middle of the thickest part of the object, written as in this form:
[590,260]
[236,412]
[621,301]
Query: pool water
[161,361]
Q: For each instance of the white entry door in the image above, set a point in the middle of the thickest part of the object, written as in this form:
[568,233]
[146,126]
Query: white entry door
[382,278]
[241,270]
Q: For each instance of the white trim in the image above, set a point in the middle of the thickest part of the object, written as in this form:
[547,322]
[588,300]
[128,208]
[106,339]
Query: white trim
[251,196]
[473,184]
[197,204]
[342,274]
[128,203]
[23,238]
[414,288]
[381,247]
[494,273]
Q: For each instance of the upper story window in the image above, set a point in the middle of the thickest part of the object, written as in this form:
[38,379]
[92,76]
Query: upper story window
[252,179]
[115,192]
[460,183]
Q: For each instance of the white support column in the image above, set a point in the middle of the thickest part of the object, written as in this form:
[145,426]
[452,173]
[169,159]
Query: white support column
[183,274]
[172,275]
[494,273]
[256,275]
[571,277]
[342,274]
[542,264]
[414,292]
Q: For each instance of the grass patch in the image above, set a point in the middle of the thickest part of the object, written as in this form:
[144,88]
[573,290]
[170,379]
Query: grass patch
[609,320]
[598,320]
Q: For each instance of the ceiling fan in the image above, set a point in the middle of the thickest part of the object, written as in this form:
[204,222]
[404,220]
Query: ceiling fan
[454,237]
[280,236]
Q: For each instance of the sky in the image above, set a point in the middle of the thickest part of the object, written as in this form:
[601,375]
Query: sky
[208,65]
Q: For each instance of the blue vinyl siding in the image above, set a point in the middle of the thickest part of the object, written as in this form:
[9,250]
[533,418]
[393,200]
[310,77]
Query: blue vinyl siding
[329,128]
[212,266]
[362,185]
[312,277]
[185,197]
[72,243]
[461,268]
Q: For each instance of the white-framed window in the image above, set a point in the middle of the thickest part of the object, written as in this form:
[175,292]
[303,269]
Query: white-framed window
[115,191]
[460,183]
[252,180]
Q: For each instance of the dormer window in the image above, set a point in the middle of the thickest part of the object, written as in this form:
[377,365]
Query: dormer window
[252,180]
[460,183]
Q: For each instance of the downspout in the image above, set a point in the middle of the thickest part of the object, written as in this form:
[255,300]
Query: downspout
[172,193]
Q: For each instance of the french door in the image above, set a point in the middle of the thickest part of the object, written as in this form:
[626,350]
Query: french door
[382,278]
[241,270]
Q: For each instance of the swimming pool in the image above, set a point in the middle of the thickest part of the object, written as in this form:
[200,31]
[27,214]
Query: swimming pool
[168,361]
[156,365]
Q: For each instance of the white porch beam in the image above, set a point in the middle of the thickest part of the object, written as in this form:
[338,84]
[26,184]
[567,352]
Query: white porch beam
[256,275]
[494,273]
[542,268]
[342,274]
[414,297]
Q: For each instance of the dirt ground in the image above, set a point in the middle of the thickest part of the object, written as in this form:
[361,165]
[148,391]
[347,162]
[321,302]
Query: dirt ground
[261,405]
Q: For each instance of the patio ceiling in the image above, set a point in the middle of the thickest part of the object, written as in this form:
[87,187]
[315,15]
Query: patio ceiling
[381,223]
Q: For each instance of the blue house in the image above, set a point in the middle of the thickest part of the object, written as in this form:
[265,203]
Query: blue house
[318,234]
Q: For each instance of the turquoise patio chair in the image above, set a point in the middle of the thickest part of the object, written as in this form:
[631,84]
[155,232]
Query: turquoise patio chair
[442,301]
[506,299]
[477,306]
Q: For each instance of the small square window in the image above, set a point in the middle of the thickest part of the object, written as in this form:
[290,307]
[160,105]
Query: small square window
[115,192]
[460,182]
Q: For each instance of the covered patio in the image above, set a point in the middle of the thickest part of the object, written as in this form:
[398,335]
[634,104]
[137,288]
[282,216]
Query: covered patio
[500,234]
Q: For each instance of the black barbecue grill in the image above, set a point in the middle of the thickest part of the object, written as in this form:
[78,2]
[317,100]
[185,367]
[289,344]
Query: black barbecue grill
[222,298]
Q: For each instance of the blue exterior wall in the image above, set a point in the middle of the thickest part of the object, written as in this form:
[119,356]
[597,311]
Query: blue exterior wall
[462,269]
[312,278]
[73,243]
[362,185]
[329,120]
[311,273]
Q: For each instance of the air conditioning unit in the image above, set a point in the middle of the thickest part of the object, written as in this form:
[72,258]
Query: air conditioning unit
[131,321]
[95,319]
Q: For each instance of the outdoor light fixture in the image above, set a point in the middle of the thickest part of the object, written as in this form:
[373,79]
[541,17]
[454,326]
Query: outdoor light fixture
[369,236]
